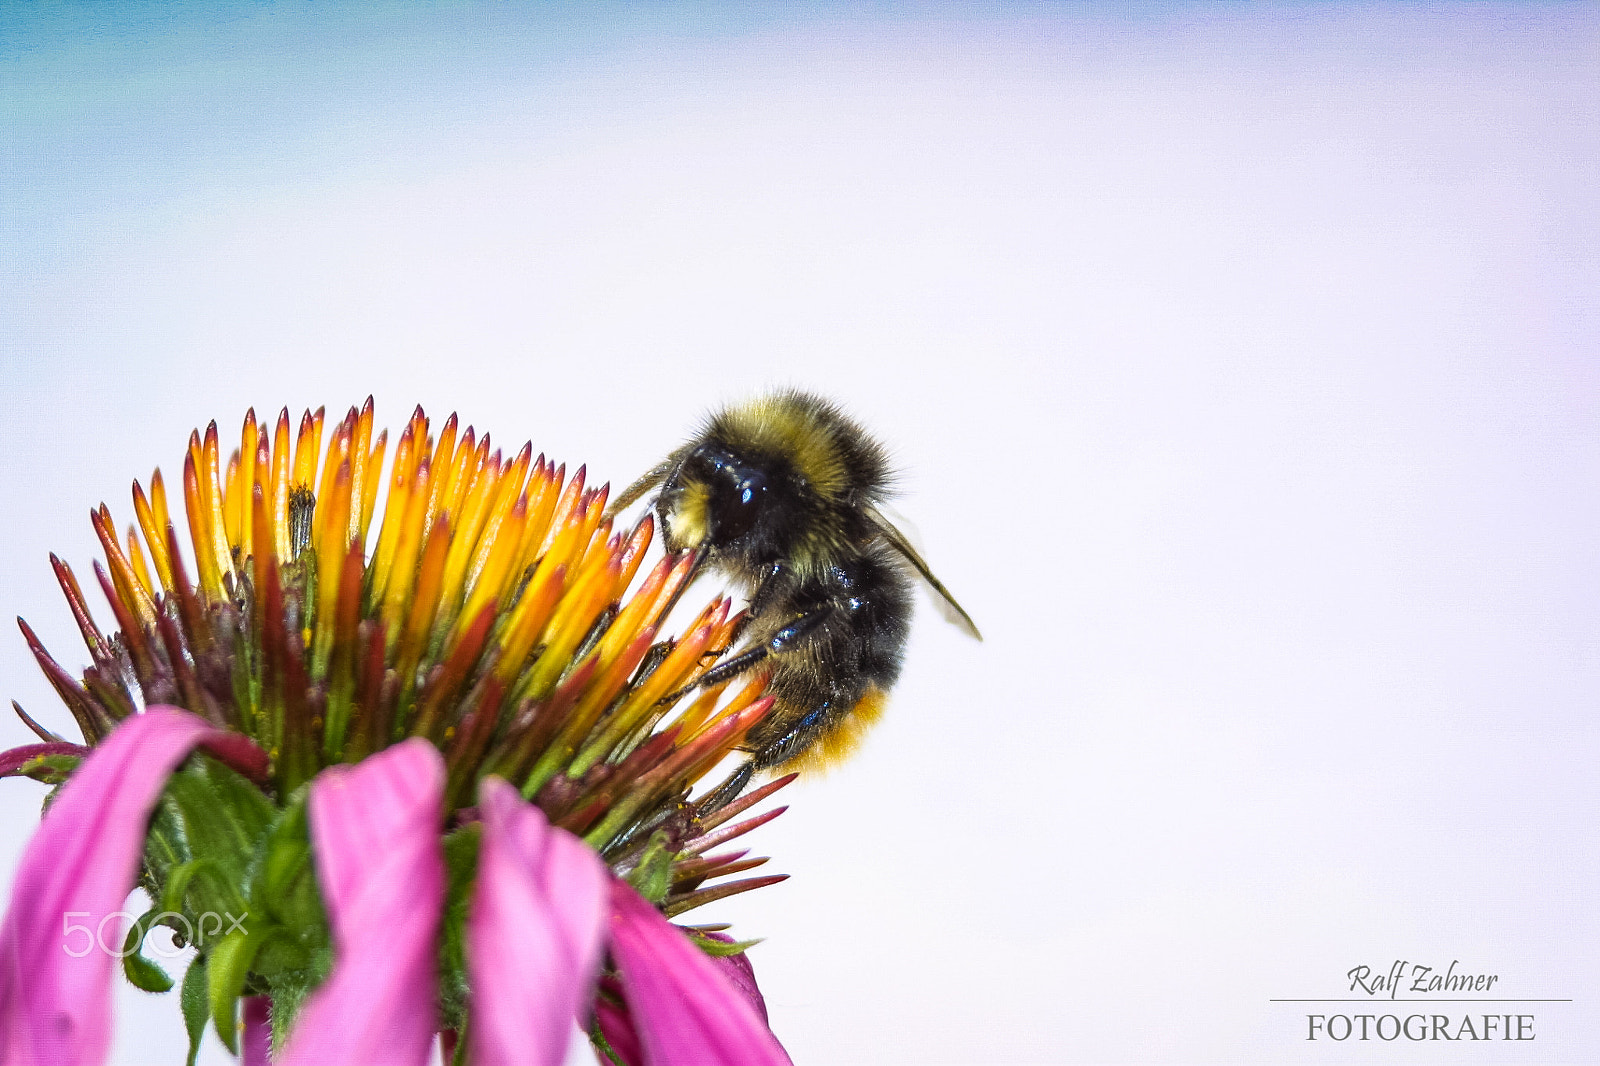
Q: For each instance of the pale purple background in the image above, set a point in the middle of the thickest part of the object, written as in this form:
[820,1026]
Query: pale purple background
[1242,363]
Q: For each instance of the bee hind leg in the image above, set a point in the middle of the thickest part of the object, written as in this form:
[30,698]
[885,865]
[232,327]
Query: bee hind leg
[728,791]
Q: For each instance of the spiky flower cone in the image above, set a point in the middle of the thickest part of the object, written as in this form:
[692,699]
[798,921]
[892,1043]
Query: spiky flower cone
[494,612]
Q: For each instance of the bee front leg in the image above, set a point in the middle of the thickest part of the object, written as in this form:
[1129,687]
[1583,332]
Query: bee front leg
[784,640]
[732,668]
[763,597]
[766,590]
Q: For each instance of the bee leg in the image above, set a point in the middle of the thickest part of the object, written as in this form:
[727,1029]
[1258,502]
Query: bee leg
[779,751]
[790,636]
[592,639]
[653,658]
[758,604]
[653,477]
[713,654]
[765,591]
[726,792]
[718,674]
[785,639]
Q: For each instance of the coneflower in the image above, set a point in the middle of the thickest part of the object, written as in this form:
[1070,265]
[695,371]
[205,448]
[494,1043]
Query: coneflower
[391,775]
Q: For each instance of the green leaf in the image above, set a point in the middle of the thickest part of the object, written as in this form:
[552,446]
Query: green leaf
[196,1007]
[290,990]
[461,868]
[178,879]
[227,969]
[284,891]
[140,971]
[285,861]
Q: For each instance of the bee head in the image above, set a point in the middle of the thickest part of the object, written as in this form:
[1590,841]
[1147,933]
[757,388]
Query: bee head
[786,477]
[715,498]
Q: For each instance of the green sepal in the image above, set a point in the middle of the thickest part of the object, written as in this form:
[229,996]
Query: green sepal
[309,577]
[652,878]
[50,798]
[144,974]
[140,971]
[720,949]
[223,817]
[246,675]
[297,955]
[285,883]
[165,849]
[227,969]
[283,895]
[196,1007]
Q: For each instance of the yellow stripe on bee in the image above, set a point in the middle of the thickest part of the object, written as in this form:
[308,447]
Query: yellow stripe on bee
[689,522]
[843,737]
[783,426]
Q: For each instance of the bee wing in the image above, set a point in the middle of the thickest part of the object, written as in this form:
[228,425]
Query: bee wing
[651,478]
[953,612]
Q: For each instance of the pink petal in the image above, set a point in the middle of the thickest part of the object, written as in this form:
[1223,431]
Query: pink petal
[616,1021]
[534,933]
[685,1010]
[616,1024]
[375,834]
[740,974]
[256,1048]
[78,869]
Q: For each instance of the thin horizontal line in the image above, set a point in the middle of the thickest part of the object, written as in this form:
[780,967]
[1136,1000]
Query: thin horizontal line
[1364,999]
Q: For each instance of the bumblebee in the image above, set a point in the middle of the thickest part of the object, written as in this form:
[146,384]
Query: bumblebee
[782,495]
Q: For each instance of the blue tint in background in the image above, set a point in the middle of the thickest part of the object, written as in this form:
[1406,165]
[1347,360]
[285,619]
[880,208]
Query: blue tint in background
[1241,361]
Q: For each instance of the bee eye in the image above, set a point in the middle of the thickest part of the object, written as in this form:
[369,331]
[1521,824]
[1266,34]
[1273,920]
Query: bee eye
[737,504]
